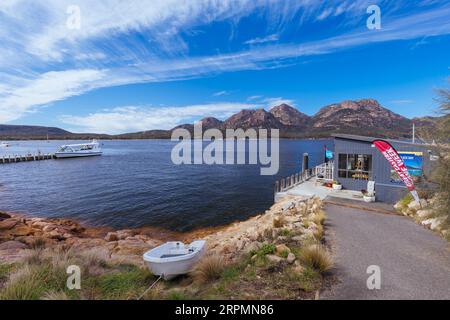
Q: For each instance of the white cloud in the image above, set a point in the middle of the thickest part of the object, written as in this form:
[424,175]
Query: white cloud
[221,93]
[252,98]
[47,88]
[270,38]
[275,102]
[138,118]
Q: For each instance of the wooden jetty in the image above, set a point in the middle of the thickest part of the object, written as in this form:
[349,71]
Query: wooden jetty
[26,158]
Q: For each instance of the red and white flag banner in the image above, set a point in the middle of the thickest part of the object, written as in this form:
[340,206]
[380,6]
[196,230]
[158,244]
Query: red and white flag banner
[397,163]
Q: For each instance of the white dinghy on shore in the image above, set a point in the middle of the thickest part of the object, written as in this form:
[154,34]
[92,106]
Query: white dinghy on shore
[174,258]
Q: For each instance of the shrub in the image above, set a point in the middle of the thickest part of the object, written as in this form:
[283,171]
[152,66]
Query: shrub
[279,222]
[266,249]
[319,217]
[316,257]
[38,243]
[287,233]
[319,232]
[307,279]
[209,268]
[27,283]
[405,201]
[284,254]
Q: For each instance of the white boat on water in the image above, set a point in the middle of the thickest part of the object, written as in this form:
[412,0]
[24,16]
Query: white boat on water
[79,150]
[4,145]
[174,258]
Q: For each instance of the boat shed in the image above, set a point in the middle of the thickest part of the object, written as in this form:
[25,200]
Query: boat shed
[357,161]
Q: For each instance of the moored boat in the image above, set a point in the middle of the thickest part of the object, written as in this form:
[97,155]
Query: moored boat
[91,149]
[174,258]
[4,145]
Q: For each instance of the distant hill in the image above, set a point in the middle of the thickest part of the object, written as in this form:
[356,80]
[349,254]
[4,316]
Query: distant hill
[19,132]
[24,131]
[364,117]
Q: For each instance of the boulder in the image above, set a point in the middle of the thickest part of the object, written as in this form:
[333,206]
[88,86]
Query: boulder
[13,245]
[433,223]
[252,247]
[131,247]
[290,258]
[414,205]
[123,234]
[22,230]
[298,268]
[281,248]
[274,259]
[4,216]
[8,224]
[49,228]
[111,236]
[424,213]
[398,206]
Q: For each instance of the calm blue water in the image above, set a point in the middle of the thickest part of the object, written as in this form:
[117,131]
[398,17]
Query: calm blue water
[135,184]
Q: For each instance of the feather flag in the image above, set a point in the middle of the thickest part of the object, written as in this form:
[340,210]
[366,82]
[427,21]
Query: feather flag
[397,163]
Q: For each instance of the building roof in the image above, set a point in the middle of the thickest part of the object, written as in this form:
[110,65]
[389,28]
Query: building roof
[371,139]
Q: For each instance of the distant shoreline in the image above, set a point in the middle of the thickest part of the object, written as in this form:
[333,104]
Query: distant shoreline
[143,139]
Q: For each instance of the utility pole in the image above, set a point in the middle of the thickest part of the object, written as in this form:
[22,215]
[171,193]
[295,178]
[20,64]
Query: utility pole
[414,133]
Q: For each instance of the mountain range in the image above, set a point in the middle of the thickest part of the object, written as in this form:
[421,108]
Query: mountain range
[363,117]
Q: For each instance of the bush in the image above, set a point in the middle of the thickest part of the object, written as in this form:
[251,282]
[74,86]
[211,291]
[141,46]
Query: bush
[266,249]
[319,217]
[406,200]
[279,222]
[209,268]
[316,257]
[319,232]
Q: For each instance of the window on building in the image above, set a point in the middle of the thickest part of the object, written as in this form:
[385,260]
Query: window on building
[355,166]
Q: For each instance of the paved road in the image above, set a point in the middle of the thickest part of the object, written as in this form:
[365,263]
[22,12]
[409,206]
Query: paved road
[414,262]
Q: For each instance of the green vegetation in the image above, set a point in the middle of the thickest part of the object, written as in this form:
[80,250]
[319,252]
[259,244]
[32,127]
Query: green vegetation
[209,269]
[317,258]
[42,275]
[440,175]
[287,233]
[266,249]
[406,200]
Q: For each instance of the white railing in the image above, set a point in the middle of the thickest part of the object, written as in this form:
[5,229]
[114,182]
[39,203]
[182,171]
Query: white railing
[324,171]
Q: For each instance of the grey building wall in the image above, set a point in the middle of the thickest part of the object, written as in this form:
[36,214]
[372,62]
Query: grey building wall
[386,191]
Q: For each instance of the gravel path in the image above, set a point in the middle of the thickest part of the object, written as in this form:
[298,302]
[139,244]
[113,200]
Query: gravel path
[414,262]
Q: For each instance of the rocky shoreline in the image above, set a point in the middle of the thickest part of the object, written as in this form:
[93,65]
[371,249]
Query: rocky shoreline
[19,234]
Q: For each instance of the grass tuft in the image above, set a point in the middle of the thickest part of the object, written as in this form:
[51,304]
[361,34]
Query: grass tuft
[279,222]
[316,257]
[319,217]
[55,296]
[210,268]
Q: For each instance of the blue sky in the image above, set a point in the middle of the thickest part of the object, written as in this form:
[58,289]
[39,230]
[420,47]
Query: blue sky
[139,65]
